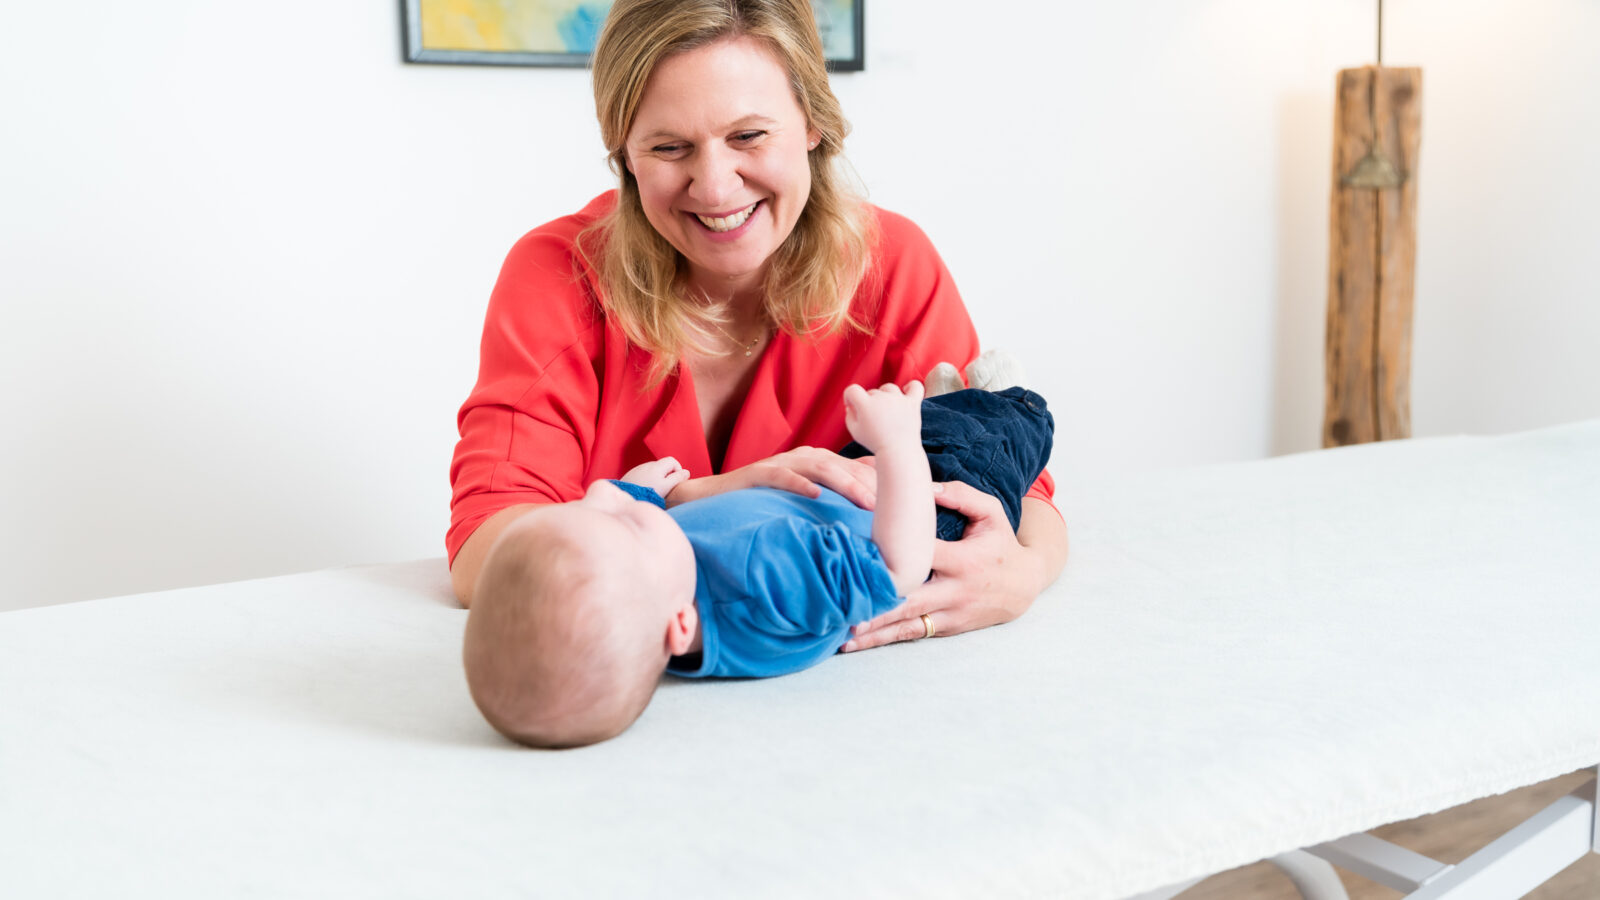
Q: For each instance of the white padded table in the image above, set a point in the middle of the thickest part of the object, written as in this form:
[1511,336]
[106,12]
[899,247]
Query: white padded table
[1239,660]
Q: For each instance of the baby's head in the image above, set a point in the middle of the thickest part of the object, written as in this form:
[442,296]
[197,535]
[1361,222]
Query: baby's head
[577,609]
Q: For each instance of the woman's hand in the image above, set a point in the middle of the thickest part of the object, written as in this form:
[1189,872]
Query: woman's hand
[799,471]
[986,578]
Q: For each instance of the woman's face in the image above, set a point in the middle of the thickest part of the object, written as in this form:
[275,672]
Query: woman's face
[719,148]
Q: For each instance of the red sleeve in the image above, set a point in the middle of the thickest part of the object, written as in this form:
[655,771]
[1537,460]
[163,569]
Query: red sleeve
[527,428]
[923,315]
[920,315]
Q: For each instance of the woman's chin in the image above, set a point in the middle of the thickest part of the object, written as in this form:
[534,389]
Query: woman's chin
[726,274]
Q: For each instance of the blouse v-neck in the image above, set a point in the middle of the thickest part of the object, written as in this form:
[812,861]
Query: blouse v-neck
[760,428]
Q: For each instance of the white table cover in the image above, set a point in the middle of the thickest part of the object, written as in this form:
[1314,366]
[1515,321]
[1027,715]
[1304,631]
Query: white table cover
[1238,661]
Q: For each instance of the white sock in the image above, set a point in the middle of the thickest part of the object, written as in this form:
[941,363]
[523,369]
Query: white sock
[942,379]
[996,370]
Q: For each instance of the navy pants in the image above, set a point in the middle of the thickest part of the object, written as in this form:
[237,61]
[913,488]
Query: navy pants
[996,441]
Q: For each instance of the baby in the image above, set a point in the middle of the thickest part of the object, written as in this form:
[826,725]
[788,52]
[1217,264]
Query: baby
[581,606]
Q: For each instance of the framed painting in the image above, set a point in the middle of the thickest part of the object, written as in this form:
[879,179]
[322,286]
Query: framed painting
[563,32]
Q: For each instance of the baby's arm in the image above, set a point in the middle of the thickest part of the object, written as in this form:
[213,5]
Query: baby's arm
[889,423]
[660,475]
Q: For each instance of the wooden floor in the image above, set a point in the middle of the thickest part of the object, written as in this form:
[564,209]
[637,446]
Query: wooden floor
[1448,836]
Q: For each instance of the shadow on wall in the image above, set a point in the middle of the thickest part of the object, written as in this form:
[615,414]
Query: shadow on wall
[1305,128]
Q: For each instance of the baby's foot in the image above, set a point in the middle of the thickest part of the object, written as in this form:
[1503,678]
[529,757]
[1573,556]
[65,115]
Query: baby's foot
[995,370]
[943,379]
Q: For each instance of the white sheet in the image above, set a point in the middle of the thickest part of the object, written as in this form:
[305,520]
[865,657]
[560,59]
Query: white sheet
[1239,660]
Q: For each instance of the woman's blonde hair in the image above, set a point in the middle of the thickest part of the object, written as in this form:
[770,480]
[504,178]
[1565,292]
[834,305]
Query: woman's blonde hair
[824,258]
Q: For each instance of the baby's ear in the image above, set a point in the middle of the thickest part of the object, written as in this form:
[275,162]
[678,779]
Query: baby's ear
[681,629]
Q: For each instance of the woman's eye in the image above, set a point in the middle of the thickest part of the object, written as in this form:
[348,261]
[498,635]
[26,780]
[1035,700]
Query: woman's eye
[748,136]
[667,149]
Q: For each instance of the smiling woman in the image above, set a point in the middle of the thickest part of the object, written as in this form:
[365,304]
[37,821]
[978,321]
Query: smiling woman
[725,193]
[715,307]
[703,183]
[717,110]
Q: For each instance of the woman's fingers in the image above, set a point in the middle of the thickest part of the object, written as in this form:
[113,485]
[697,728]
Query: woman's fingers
[856,481]
[889,634]
[804,471]
[781,477]
[912,629]
[911,610]
[939,599]
[978,581]
[969,501]
[984,579]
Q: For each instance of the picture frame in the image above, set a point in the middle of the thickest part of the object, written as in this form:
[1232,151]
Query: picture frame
[562,33]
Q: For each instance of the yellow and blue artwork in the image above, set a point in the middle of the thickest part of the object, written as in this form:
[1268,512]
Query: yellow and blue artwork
[563,32]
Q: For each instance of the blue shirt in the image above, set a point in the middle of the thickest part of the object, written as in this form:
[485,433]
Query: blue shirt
[780,579]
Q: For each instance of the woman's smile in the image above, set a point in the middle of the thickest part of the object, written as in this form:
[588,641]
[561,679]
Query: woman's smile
[728,226]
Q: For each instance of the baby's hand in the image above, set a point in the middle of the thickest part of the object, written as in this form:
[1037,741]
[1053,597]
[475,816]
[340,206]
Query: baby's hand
[661,475]
[884,417]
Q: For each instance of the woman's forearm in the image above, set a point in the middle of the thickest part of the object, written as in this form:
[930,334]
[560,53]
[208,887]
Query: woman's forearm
[469,559]
[1043,534]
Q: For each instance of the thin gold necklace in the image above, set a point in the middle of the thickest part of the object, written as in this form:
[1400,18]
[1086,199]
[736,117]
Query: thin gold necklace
[749,348]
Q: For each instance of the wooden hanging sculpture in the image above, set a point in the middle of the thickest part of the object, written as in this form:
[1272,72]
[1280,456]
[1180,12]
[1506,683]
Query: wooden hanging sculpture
[1372,252]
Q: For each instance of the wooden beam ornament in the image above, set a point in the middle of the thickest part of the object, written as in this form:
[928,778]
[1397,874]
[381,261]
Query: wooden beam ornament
[1372,253]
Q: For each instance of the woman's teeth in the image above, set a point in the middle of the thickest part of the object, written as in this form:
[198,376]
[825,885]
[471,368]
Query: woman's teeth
[728,223]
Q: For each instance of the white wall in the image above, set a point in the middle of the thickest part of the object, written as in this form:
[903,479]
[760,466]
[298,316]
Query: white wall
[244,250]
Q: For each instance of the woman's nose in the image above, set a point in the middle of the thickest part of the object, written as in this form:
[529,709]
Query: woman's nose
[714,179]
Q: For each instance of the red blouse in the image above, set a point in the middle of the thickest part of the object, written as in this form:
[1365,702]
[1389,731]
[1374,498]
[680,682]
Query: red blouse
[560,400]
